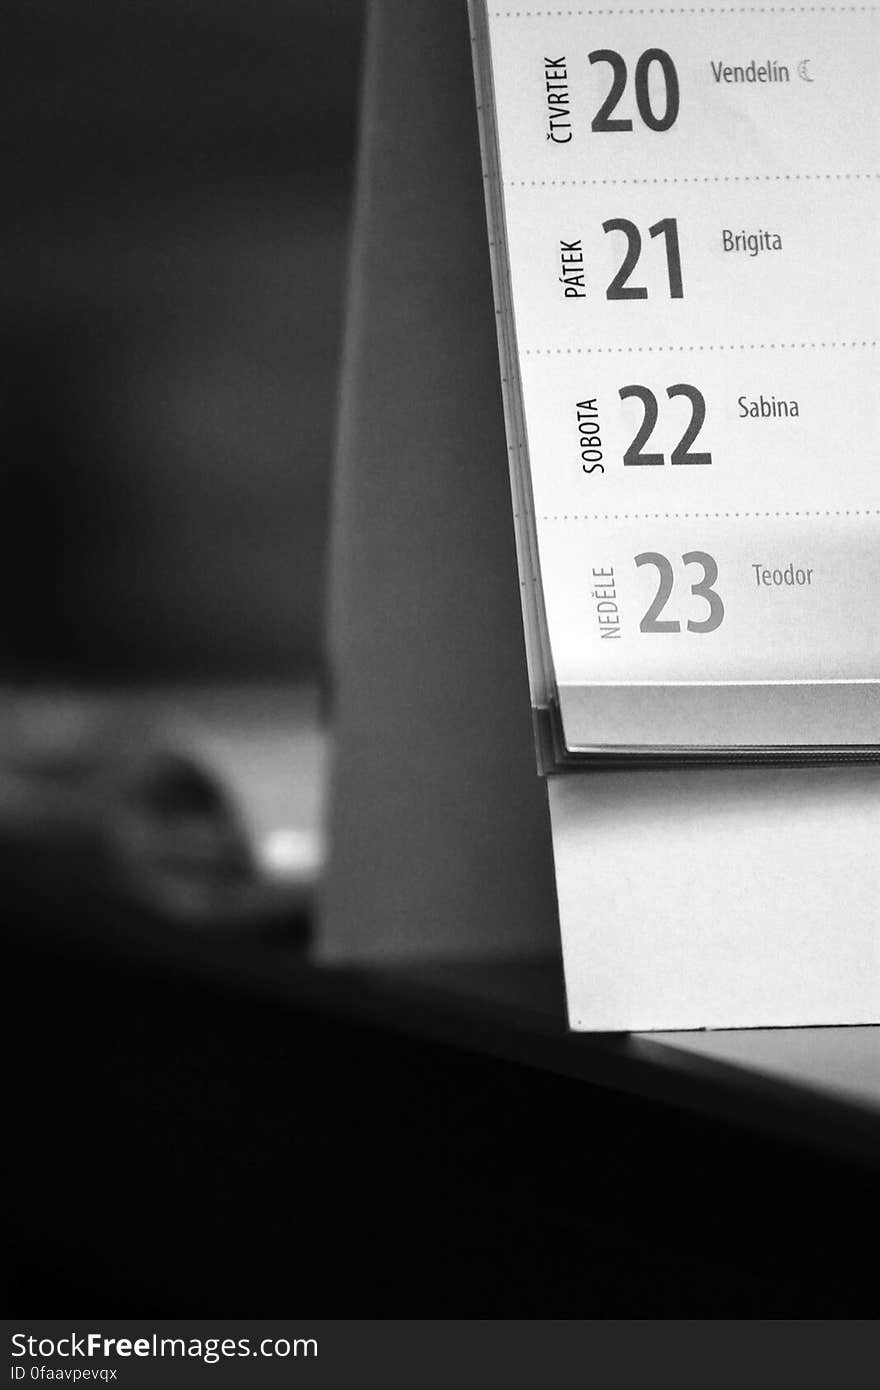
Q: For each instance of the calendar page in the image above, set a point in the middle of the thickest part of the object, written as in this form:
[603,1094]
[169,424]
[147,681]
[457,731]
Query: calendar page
[686,220]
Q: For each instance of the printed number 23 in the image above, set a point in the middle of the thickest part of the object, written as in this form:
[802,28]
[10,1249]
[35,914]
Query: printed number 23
[652,622]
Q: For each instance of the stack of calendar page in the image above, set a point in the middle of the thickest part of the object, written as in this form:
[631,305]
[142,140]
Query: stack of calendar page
[682,213]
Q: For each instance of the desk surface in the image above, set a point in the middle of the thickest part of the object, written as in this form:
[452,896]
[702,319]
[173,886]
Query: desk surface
[841,1064]
[814,1086]
[412,1138]
[821,1085]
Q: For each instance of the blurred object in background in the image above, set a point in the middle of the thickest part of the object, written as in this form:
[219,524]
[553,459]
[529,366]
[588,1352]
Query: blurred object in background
[176,191]
[204,814]
[176,180]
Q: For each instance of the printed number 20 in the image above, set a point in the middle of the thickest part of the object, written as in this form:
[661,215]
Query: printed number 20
[603,119]
[652,622]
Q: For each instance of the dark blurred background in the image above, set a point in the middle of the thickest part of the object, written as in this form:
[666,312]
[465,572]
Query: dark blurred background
[176,188]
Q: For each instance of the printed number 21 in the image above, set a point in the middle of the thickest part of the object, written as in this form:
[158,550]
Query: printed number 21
[652,622]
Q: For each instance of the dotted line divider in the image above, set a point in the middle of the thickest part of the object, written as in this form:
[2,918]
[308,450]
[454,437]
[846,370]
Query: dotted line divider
[694,347]
[697,516]
[694,178]
[700,9]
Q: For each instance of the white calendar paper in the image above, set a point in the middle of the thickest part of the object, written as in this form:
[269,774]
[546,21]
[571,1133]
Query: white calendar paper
[683,215]
[682,210]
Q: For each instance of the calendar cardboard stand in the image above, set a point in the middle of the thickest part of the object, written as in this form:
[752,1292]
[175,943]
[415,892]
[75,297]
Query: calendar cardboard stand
[440,825]
[440,834]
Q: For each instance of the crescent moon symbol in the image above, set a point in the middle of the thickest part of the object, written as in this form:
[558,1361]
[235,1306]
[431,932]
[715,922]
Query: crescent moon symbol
[802,70]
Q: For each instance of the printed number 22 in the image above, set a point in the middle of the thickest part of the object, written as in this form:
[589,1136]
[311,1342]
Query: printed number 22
[652,622]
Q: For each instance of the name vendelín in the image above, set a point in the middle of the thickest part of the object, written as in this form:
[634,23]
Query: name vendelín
[768,71]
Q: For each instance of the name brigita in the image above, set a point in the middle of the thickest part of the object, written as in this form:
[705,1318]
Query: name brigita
[768,71]
[750,242]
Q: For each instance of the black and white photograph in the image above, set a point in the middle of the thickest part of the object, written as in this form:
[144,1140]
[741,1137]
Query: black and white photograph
[440,691]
